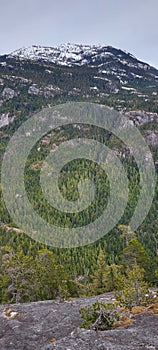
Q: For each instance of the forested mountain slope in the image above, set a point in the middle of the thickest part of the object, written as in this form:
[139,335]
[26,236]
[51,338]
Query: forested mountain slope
[37,77]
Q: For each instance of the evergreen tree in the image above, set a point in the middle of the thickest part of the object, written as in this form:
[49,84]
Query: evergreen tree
[111,277]
[19,280]
[127,235]
[134,253]
[98,279]
[53,279]
[132,289]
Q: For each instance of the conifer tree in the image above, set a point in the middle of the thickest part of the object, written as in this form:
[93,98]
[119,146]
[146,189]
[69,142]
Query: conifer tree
[134,253]
[132,289]
[98,279]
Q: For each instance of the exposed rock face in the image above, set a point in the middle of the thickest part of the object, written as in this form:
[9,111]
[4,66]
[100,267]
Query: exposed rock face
[8,93]
[152,137]
[51,325]
[33,90]
[140,118]
[47,91]
[6,119]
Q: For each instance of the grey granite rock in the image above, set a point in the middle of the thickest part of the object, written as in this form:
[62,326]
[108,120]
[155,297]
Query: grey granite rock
[52,325]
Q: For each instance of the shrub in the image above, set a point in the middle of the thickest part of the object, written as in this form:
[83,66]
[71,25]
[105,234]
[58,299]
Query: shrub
[99,316]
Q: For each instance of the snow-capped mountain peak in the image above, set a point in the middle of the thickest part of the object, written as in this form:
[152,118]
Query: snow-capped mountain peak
[95,72]
[70,54]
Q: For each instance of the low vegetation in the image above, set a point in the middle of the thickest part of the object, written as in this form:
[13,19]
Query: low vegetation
[99,316]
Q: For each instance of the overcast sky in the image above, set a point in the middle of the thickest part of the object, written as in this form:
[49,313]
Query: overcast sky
[131,25]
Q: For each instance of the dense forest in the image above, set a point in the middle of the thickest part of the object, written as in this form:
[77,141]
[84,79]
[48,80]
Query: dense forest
[30,270]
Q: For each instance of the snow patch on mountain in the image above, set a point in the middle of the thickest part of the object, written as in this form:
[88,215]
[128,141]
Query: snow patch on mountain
[75,54]
[63,54]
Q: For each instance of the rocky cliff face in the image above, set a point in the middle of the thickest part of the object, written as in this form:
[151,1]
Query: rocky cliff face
[52,325]
[5,119]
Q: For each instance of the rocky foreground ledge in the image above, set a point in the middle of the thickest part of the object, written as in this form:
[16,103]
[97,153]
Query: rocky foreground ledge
[52,325]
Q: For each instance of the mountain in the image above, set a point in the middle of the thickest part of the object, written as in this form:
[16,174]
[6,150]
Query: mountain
[81,55]
[37,77]
[78,72]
